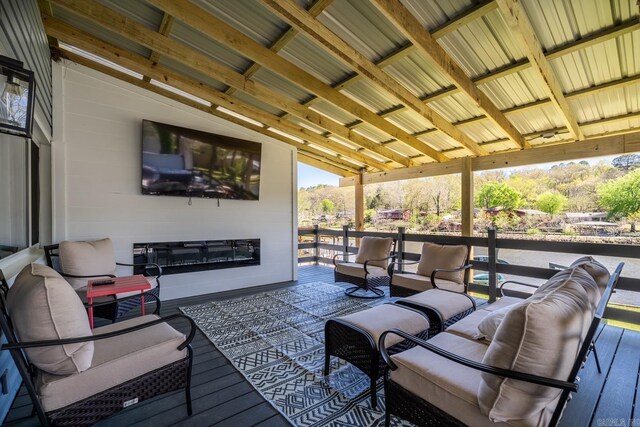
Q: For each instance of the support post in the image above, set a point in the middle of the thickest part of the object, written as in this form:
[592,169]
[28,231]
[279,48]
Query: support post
[345,243]
[316,241]
[400,247]
[467,204]
[359,205]
[493,257]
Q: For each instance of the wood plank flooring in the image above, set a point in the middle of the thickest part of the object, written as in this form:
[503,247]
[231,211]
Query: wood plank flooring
[222,397]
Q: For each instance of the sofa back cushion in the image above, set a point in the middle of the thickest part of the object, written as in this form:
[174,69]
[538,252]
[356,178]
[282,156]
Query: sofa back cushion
[43,306]
[86,258]
[374,248]
[443,256]
[541,336]
[598,271]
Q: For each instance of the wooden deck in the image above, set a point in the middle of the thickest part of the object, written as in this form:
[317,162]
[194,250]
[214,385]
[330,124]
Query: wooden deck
[222,397]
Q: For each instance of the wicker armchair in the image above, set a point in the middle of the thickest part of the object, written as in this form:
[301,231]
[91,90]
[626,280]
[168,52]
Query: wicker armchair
[79,262]
[369,270]
[76,377]
[440,267]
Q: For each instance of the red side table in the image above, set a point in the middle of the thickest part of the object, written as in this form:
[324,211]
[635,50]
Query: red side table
[121,285]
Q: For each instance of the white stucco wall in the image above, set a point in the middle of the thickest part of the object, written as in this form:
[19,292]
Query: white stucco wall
[97,167]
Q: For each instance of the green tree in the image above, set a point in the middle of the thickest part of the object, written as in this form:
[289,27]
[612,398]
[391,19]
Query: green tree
[494,194]
[551,202]
[327,206]
[621,197]
[626,161]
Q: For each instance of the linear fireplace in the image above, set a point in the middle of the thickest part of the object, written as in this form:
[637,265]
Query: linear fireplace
[185,257]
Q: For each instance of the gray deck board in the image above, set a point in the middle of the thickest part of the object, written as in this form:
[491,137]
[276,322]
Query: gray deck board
[222,397]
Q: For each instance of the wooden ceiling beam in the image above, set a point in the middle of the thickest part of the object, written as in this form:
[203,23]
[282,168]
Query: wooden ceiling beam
[144,66]
[46,7]
[208,24]
[285,38]
[427,45]
[595,147]
[321,35]
[590,40]
[322,164]
[517,20]
[347,169]
[138,33]
[164,29]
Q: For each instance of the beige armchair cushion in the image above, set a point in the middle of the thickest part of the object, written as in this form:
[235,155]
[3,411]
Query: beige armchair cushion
[488,326]
[423,283]
[374,248]
[443,256]
[357,270]
[116,360]
[86,258]
[468,327]
[447,303]
[43,306]
[540,336]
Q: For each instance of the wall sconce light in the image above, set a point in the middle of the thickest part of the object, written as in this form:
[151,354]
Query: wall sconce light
[17,96]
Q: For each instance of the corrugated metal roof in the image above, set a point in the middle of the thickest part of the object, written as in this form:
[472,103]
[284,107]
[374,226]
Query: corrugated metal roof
[370,95]
[310,57]
[280,84]
[191,73]
[418,74]
[410,121]
[139,11]
[330,110]
[536,119]
[433,13]
[256,103]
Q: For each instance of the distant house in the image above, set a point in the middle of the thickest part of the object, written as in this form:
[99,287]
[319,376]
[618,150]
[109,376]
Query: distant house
[393,215]
[574,217]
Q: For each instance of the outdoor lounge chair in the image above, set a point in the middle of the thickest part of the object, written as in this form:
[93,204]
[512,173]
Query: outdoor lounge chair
[440,267]
[76,376]
[79,262]
[369,271]
[456,378]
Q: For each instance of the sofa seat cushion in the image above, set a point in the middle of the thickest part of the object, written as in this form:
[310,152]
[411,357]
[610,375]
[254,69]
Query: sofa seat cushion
[374,248]
[383,317]
[357,270]
[86,258]
[152,281]
[423,283]
[116,360]
[540,336]
[446,303]
[468,327]
[43,306]
[445,384]
[443,256]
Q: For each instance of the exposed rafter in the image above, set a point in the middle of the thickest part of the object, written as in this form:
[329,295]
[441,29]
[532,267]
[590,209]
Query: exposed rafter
[310,27]
[222,32]
[516,18]
[321,164]
[164,29]
[427,45]
[138,33]
[315,9]
[144,66]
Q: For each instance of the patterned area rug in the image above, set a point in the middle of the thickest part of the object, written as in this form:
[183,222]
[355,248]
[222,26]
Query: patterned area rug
[276,340]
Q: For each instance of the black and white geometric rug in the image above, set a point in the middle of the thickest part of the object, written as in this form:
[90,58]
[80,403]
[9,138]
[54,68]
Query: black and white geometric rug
[276,340]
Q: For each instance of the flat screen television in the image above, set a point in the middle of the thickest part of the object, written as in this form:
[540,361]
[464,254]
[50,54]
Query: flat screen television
[184,162]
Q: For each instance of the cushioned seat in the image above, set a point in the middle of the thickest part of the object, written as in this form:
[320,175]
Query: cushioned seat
[419,283]
[356,270]
[443,307]
[468,327]
[115,361]
[355,337]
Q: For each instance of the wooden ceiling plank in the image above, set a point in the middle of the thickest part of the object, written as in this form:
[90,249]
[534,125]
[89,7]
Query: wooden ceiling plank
[45,6]
[517,20]
[164,29]
[136,32]
[315,9]
[317,32]
[144,66]
[222,32]
[426,44]
[348,169]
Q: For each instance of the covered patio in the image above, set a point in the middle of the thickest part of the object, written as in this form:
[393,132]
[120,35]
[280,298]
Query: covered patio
[372,91]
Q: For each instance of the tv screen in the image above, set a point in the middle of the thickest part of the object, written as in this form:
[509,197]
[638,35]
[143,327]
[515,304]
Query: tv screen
[183,162]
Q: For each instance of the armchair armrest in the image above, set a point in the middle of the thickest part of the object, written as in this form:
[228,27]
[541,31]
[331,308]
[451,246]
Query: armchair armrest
[348,254]
[501,372]
[528,285]
[47,343]
[447,270]
[147,266]
[366,263]
[88,276]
